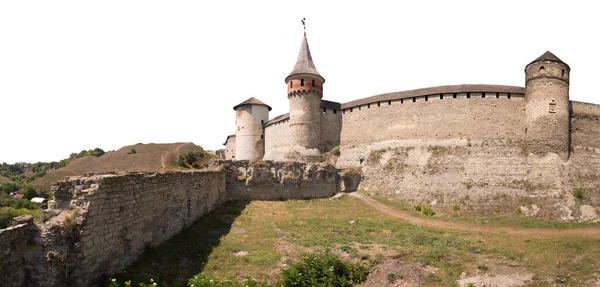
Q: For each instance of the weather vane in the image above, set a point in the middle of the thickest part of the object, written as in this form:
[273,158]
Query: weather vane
[304,25]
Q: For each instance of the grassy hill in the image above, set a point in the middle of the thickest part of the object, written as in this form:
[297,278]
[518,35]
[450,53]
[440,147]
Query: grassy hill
[4,179]
[139,157]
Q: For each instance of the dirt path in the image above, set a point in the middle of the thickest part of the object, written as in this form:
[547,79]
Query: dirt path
[544,232]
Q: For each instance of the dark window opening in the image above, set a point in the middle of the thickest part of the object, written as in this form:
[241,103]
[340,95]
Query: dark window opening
[497,95]
[262,137]
[359,108]
[313,83]
[324,110]
[509,95]
[379,104]
[454,96]
[441,96]
[291,83]
[468,95]
[343,112]
[414,99]
[302,82]
[262,122]
[335,111]
[563,72]
[389,103]
[483,95]
[426,98]
[350,109]
[542,69]
[368,106]
[402,101]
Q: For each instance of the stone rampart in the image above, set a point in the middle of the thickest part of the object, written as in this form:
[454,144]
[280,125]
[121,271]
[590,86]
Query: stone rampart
[280,180]
[585,125]
[123,214]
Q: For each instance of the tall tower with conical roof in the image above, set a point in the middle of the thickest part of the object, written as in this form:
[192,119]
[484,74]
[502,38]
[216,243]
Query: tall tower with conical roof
[547,106]
[305,90]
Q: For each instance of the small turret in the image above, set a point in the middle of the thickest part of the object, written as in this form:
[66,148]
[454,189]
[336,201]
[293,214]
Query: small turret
[305,90]
[547,106]
[250,118]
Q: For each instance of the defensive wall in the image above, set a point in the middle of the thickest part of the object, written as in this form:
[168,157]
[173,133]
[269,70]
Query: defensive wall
[105,221]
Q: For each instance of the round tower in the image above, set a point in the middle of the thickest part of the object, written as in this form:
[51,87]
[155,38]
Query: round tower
[547,106]
[250,119]
[305,90]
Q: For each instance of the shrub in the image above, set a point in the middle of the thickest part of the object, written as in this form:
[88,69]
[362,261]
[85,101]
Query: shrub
[133,151]
[425,209]
[8,213]
[336,151]
[323,270]
[204,281]
[579,193]
[189,158]
[456,208]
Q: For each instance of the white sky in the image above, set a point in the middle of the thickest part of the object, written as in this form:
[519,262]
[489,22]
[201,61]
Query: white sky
[77,75]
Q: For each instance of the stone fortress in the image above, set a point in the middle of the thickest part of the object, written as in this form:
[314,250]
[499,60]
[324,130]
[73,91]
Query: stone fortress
[539,115]
[487,147]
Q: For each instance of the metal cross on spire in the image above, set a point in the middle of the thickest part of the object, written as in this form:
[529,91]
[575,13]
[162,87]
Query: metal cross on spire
[304,25]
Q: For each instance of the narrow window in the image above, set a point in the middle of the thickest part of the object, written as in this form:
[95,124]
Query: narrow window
[379,104]
[426,98]
[343,112]
[389,103]
[441,96]
[468,95]
[414,99]
[563,72]
[368,106]
[324,110]
[302,82]
[291,84]
[483,95]
[402,101]
[335,111]
[509,95]
[359,108]
[262,137]
[542,69]
[313,83]
[454,96]
[497,95]
[350,109]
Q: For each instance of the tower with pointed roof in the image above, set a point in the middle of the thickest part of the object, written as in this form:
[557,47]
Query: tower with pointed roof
[547,106]
[305,90]
[250,118]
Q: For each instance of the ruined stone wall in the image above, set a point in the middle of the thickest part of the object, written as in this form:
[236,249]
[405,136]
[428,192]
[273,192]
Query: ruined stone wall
[279,180]
[585,125]
[122,214]
[14,244]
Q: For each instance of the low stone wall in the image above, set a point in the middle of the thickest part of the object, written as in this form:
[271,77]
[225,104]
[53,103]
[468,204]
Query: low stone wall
[280,180]
[122,214]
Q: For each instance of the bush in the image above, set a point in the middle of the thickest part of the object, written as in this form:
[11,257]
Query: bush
[579,193]
[204,281]
[8,213]
[133,151]
[425,209]
[323,270]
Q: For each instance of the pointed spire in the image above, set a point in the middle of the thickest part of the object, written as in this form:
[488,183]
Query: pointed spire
[304,64]
[548,56]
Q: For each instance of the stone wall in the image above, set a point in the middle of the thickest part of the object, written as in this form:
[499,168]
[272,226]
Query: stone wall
[331,128]
[15,242]
[278,139]
[122,214]
[280,180]
[585,125]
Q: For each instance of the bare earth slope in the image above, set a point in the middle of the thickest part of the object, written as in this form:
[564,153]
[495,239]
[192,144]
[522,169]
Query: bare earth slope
[147,157]
[4,179]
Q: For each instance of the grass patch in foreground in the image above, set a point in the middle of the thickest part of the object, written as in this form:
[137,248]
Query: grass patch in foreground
[275,234]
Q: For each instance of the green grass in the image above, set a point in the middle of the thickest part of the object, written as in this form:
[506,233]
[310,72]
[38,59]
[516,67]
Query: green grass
[500,220]
[277,233]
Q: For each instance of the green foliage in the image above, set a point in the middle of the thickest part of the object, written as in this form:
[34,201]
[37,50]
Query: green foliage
[425,209]
[189,158]
[133,151]
[323,269]
[204,281]
[8,213]
[579,193]
[456,208]
[28,191]
[121,281]
[392,277]
[336,151]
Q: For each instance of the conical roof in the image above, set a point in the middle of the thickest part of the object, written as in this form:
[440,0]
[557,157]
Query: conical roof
[251,101]
[548,56]
[304,64]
